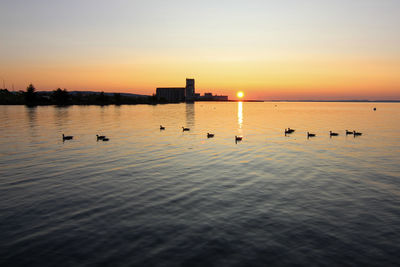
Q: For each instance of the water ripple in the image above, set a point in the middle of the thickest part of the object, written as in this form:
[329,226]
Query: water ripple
[168,198]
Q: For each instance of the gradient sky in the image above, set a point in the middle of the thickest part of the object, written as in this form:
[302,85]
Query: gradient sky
[287,49]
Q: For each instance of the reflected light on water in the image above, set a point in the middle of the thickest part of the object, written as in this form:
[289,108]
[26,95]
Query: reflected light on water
[167,198]
[240,115]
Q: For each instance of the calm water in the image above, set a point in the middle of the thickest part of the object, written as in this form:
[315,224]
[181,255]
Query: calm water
[171,198]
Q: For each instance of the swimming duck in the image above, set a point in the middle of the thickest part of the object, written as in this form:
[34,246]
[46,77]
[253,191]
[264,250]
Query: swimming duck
[210,135]
[67,137]
[185,129]
[289,131]
[333,134]
[100,137]
[310,135]
[162,127]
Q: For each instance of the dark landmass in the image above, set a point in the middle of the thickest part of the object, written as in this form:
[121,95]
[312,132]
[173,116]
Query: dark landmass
[97,93]
[62,97]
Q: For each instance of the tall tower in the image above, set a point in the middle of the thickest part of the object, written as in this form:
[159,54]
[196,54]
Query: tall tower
[189,94]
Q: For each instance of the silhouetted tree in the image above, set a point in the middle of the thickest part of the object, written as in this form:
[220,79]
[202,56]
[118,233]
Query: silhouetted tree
[60,97]
[30,95]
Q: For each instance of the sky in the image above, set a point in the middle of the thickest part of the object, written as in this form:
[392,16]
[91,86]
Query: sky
[287,49]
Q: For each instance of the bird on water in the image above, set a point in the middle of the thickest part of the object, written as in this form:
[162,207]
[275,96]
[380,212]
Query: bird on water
[356,133]
[100,137]
[310,135]
[348,132]
[185,129]
[333,134]
[210,135]
[162,127]
[289,131]
[67,137]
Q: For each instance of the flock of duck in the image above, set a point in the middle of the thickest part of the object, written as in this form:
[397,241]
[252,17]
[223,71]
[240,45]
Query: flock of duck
[287,131]
[99,137]
[354,133]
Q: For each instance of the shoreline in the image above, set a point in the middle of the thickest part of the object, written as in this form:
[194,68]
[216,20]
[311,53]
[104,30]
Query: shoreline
[250,101]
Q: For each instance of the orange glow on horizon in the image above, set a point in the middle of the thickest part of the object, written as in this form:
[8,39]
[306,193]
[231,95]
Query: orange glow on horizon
[280,79]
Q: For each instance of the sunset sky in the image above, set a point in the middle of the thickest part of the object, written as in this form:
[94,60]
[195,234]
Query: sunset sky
[287,49]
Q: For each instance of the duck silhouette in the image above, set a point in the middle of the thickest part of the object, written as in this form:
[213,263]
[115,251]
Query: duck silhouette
[333,134]
[100,137]
[289,131]
[310,135]
[67,137]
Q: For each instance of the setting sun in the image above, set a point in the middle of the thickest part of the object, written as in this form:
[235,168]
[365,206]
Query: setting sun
[240,94]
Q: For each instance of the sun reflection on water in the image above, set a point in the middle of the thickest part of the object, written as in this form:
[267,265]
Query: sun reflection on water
[240,115]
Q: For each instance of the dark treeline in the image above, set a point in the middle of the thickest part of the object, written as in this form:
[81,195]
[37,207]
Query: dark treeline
[62,97]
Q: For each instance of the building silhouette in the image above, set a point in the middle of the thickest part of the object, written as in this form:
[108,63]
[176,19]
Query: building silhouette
[171,94]
[188,94]
[177,94]
[211,97]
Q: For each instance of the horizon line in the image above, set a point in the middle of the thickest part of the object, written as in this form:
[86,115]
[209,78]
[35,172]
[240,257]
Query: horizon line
[236,100]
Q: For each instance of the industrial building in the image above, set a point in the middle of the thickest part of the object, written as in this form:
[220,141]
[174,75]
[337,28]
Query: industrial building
[188,94]
[171,94]
[211,97]
[177,94]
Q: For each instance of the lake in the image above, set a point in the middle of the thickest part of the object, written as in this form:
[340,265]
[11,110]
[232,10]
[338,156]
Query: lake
[171,198]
